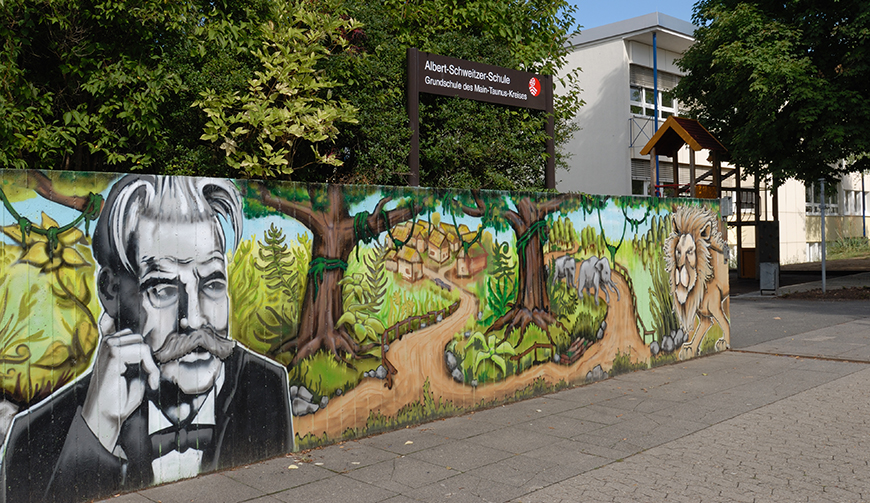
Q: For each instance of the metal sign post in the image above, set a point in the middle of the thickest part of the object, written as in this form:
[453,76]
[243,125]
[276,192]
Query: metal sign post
[824,243]
[436,74]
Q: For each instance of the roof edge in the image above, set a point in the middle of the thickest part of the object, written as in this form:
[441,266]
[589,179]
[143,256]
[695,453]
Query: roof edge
[633,26]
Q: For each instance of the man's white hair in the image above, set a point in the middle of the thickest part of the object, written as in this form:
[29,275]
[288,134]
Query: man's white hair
[170,199]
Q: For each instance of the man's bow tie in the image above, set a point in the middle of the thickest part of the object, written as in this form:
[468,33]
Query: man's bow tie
[180,439]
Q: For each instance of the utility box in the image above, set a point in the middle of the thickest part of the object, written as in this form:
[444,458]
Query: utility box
[768,280]
[767,244]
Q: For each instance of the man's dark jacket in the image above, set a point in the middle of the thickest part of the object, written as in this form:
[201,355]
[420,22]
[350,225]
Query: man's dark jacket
[51,455]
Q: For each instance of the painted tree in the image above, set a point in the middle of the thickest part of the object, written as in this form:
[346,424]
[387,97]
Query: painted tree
[326,211]
[526,215]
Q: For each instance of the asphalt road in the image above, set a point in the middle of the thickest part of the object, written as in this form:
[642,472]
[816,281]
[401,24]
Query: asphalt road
[760,319]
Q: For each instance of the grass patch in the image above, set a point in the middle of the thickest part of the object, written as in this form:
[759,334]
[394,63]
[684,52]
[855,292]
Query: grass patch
[322,374]
[422,411]
[622,364]
[844,248]
[663,359]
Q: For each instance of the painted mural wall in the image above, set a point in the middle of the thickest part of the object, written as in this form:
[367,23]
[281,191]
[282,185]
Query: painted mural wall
[153,328]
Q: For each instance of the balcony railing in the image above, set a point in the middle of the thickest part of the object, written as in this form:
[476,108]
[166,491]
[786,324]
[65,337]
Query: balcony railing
[642,130]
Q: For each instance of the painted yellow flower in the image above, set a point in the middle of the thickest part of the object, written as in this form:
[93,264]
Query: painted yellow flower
[36,246]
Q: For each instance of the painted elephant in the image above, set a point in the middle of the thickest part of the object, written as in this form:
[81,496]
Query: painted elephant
[565,267]
[594,275]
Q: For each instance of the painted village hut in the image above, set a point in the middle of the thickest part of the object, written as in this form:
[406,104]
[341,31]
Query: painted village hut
[439,247]
[410,264]
[391,261]
[473,262]
[452,237]
[421,236]
[402,233]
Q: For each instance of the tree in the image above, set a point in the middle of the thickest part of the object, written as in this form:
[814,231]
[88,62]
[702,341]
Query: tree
[528,220]
[81,88]
[502,147]
[288,104]
[783,85]
[100,85]
[325,211]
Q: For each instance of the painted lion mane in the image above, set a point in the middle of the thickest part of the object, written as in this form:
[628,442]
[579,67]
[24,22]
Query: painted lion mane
[695,229]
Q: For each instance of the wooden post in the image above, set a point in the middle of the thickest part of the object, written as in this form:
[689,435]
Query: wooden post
[550,173]
[694,192]
[717,174]
[676,177]
[739,212]
[654,173]
[414,117]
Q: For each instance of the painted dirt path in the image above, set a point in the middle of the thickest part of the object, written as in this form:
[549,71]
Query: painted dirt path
[420,356]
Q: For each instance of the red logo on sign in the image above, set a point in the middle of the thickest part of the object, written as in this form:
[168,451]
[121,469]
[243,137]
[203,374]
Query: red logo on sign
[534,87]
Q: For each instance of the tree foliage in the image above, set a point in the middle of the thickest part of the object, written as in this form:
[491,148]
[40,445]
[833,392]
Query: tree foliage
[783,84]
[108,85]
[288,104]
[81,88]
[463,143]
[258,88]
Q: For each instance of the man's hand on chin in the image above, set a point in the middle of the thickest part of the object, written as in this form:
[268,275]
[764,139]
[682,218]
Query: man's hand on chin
[123,369]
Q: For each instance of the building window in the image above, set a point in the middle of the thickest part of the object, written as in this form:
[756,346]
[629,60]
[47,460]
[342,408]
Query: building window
[747,201]
[643,102]
[814,199]
[640,187]
[855,202]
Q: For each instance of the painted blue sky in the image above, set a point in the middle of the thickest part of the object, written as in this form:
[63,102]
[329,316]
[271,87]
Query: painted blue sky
[594,13]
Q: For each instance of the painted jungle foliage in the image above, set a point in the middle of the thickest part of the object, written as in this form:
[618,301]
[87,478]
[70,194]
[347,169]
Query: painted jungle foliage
[386,306]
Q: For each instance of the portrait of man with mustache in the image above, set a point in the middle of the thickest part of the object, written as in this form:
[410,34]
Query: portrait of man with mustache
[169,394]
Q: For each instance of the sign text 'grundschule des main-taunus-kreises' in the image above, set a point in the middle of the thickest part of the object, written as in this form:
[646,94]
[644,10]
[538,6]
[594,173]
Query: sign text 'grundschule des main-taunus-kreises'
[478,81]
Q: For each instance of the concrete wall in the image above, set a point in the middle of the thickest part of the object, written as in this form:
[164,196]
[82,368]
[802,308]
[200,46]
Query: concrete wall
[599,160]
[155,328]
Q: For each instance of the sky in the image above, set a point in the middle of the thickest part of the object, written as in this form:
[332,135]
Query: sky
[594,13]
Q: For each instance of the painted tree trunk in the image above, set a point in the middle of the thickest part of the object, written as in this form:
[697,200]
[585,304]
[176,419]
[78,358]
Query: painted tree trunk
[333,241]
[533,303]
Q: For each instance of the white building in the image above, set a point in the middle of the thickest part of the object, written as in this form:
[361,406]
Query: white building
[621,74]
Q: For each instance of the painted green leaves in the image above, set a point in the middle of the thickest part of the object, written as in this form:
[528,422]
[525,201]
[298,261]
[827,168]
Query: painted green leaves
[491,351]
[362,298]
[48,331]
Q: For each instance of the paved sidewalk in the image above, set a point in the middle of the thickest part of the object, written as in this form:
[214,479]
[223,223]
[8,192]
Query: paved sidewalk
[745,425]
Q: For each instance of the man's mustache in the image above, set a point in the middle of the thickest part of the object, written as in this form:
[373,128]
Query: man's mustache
[178,345]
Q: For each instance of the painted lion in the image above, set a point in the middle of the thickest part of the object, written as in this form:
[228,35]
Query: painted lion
[697,267]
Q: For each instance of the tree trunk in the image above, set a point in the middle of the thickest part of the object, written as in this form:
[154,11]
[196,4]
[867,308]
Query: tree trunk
[333,241]
[322,304]
[533,303]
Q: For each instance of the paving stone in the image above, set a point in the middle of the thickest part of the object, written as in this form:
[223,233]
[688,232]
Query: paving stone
[457,428]
[601,414]
[338,488]
[568,453]
[466,488]
[402,473]
[404,441]
[130,498]
[506,415]
[213,488]
[560,426]
[508,440]
[275,475]
[590,393]
[462,459]
[349,456]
